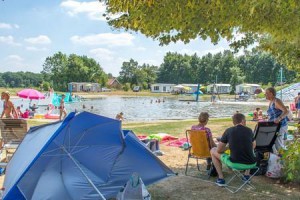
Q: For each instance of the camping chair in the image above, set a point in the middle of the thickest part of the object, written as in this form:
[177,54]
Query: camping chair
[199,146]
[265,134]
[238,173]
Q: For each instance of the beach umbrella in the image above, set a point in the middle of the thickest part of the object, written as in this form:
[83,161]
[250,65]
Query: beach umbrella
[187,88]
[30,94]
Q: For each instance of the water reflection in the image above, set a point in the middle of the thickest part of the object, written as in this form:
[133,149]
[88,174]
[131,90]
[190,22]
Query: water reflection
[141,108]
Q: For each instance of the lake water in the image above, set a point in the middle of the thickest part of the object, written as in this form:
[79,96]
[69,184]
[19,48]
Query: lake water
[141,108]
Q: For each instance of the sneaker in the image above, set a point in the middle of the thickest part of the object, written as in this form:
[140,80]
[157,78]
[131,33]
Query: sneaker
[220,182]
[246,178]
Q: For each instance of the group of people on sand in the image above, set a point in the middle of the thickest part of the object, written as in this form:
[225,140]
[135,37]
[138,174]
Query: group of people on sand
[240,139]
[9,111]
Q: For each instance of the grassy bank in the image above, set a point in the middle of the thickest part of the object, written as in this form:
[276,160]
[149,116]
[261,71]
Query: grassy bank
[174,127]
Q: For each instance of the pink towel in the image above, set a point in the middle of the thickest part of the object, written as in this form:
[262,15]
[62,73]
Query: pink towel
[177,143]
[141,137]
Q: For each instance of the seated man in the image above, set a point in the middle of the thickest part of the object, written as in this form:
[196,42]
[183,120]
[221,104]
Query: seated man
[241,145]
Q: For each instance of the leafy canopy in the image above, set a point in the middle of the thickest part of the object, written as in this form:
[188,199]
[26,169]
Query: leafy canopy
[274,24]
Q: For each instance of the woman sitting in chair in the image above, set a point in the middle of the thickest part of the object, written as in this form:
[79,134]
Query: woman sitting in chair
[203,120]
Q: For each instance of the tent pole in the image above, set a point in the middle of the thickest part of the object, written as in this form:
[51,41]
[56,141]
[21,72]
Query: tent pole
[88,179]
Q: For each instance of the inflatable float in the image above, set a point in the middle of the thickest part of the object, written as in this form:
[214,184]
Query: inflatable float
[49,114]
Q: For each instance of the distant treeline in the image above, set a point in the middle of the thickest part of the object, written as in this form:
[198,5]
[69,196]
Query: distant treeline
[252,67]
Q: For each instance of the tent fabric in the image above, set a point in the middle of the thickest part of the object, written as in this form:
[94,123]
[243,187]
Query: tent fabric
[86,156]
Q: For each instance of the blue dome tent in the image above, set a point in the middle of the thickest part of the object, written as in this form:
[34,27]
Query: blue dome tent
[86,156]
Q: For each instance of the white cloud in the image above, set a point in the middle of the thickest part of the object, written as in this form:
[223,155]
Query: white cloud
[8,26]
[93,9]
[31,48]
[110,39]
[9,40]
[16,58]
[41,39]
[102,54]
[141,49]
[5,26]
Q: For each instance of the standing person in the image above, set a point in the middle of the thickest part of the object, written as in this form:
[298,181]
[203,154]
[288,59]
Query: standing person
[62,109]
[8,107]
[297,105]
[277,112]
[241,144]
[203,120]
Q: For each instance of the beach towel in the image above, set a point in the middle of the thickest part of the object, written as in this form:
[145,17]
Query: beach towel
[142,137]
[177,143]
[162,137]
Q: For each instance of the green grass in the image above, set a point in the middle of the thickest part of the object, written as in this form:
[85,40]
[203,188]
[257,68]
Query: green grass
[177,128]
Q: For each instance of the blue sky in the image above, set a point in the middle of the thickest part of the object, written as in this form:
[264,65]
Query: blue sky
[31,30]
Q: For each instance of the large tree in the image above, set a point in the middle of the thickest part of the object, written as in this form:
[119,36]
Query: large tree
[274,24]
[61,69]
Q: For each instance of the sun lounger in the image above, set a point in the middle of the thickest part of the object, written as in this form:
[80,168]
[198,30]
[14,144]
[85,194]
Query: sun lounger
[13,129]
[12,133]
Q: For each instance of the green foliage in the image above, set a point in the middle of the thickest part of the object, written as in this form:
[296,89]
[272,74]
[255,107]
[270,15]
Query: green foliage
[46,86]
[61,69]
[126,87]
[291,162]
[273,24]
[253,67]
[131,72]
[20,79]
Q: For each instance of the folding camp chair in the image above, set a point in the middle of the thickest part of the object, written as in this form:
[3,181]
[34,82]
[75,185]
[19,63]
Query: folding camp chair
[265,134]
[238,173]
[199,146]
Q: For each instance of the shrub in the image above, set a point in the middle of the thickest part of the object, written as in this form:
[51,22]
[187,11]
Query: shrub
[291,161]
[126,87]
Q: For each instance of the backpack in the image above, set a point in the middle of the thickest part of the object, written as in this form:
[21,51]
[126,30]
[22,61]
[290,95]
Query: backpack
[261,163]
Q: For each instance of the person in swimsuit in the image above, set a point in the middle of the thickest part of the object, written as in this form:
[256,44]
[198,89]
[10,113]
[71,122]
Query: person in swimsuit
[277,112]
[62,109]
[8,107]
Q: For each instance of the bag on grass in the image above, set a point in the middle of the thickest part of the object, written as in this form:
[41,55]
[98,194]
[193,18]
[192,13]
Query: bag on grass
[134,189]
[274,166]
[261,163]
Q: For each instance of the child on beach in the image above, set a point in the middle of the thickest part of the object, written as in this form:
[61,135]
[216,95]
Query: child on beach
[257,114]
[8,107]
[19,112]
[120,116]
[203,120]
